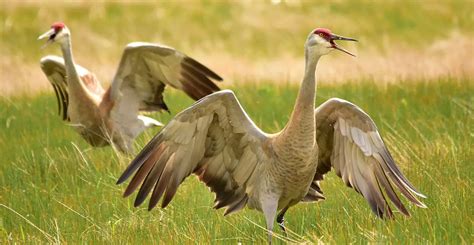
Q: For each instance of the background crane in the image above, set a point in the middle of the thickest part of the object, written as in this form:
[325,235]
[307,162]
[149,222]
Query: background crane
[109,116]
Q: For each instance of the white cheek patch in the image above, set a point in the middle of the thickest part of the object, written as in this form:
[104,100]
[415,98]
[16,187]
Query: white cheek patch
[322,46]
[319,39]
[322,42]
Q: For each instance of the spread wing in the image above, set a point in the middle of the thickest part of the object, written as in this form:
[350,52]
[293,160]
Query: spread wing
[144,71]
[214,139]
[53,68]
[350,143]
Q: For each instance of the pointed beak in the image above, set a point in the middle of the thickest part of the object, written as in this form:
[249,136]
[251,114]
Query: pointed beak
[46,34]
[50,35]
[337,37]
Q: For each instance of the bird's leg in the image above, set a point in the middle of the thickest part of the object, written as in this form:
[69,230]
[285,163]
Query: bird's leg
[269,208]
[281,219]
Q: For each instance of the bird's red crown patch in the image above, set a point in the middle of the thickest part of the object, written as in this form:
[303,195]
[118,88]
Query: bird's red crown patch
[57,26]
[324,31]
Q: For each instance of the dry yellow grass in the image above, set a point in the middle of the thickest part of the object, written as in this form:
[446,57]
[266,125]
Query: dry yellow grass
[245,42]
[451,57]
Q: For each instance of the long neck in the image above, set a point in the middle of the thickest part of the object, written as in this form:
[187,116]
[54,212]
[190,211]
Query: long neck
[303,112]
[75,85]
[307,92]
[300,132]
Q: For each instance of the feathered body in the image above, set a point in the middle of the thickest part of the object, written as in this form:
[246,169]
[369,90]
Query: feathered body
[216,140]
[109,116]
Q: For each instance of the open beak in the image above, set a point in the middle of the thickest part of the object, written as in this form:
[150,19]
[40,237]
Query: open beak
[50,35]
[337,37]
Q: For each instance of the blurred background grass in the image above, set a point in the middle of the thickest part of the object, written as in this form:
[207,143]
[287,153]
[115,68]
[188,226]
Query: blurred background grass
[246,40]
[249,29]
[413,75]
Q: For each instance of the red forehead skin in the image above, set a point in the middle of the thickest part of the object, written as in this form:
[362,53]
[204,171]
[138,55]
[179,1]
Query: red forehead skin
[57,26]
[322,31]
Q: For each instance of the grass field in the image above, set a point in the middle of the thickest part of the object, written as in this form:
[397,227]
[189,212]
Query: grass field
[54,188]
[414,75]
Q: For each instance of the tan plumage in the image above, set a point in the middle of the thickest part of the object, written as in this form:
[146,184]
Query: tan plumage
[350,143]
[213,139]
[217,141]
[112,115]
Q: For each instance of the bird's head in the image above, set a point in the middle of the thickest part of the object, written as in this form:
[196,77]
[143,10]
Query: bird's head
[321,41]
[58,33]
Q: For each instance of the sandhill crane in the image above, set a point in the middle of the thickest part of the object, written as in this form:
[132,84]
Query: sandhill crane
[111,116]
[216,140]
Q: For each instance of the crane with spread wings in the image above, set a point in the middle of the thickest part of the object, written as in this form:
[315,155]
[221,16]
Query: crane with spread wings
[112,116]
[216,140]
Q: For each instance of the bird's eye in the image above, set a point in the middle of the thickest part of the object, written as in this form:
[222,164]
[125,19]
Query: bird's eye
[321,35]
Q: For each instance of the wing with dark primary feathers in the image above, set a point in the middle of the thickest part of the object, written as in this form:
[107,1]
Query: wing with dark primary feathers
[349,142]
[54,69]
[144,71]
[214,139]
